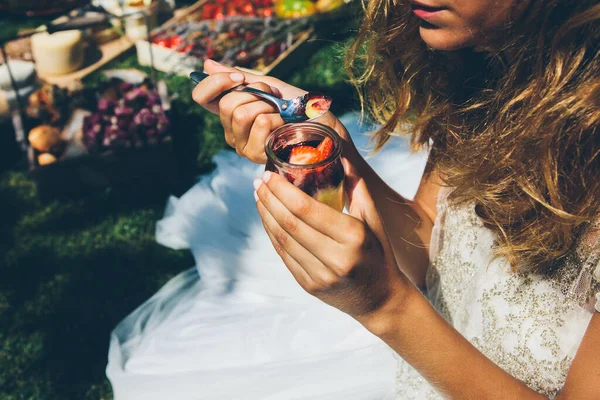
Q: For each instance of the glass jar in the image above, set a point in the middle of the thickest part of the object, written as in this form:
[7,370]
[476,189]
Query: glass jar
[323,180]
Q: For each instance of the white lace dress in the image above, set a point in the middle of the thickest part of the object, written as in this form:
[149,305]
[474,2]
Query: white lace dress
[529,325]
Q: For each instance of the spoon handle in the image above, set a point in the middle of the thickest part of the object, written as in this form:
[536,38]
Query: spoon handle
[197,77]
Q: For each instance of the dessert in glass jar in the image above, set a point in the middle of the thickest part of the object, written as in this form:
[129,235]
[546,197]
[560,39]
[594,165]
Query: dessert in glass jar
[308,154]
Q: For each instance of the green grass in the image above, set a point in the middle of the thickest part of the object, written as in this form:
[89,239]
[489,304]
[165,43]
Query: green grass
[71,269]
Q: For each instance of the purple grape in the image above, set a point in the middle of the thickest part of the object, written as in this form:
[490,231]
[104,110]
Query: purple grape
[149,120]
[92,133]
[122,122]
[152,100]
[125,87]
[135,96]
[162,119]
[156,109]
[115,131]
[87,123]
[123,110]
[97,129]
[110,132]
[162,125]
[145,118]
[137,121]
[106,105]
[90,120]
[115,137]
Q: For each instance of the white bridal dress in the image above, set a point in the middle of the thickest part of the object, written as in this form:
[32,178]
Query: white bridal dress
[238,327]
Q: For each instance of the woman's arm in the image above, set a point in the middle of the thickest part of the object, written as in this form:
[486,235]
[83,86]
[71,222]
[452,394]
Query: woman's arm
[408,223]
[347,261]
[414,329]
[583,380]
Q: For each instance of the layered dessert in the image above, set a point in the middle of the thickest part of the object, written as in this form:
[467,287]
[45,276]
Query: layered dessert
[313,165]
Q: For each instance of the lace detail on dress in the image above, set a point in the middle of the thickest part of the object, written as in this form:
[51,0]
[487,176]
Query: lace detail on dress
[587,283]
[528,324]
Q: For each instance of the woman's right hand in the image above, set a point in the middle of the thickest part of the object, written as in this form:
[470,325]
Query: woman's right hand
[246,119]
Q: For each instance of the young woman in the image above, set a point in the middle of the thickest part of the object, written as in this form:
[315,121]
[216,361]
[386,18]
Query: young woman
[483,285]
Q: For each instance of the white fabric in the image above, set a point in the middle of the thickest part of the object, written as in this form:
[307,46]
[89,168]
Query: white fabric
[237,326]
[245,330]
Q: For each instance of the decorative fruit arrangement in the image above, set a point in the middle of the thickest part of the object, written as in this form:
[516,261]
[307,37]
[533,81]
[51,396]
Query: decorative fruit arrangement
[249,42]
[220,9]
[126,116]
[49,109]
[323,182]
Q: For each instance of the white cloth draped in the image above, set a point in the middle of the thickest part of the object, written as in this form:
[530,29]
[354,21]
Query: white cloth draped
[237,325]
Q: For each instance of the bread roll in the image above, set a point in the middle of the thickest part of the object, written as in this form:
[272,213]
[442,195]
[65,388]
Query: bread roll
[44,138]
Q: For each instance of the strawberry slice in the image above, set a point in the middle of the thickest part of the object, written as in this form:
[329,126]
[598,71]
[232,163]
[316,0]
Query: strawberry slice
[325,148]
[303,155]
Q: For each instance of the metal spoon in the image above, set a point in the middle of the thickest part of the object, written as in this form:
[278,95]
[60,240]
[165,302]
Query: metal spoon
[298,109]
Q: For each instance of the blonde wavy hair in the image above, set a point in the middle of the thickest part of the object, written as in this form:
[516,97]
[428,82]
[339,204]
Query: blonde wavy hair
[520,138]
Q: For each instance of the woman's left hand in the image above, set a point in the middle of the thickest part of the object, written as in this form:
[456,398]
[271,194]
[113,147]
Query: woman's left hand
[344,260]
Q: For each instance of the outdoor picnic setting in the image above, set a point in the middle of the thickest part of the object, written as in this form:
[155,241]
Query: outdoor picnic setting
[299,199]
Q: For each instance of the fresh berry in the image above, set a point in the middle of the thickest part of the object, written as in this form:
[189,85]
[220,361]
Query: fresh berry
[303,155]
[166,42]
[176,41]
[325,148]
[187,48]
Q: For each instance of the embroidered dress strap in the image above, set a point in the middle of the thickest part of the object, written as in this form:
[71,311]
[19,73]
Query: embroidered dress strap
[586,286]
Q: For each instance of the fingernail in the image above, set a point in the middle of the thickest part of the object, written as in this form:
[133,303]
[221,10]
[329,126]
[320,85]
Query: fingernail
[236,77]
[257,183]
[255,196]
[276,91]
[266,176]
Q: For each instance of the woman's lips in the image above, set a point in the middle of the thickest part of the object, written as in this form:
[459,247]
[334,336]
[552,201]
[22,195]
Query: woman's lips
[425,12]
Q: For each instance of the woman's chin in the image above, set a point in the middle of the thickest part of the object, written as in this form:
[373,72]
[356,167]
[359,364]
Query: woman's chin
[445,39]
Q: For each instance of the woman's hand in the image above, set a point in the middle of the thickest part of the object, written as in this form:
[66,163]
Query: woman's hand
[345,260]
[246,119]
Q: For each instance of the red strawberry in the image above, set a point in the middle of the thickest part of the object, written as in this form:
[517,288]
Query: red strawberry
[325,148]
[304,155]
